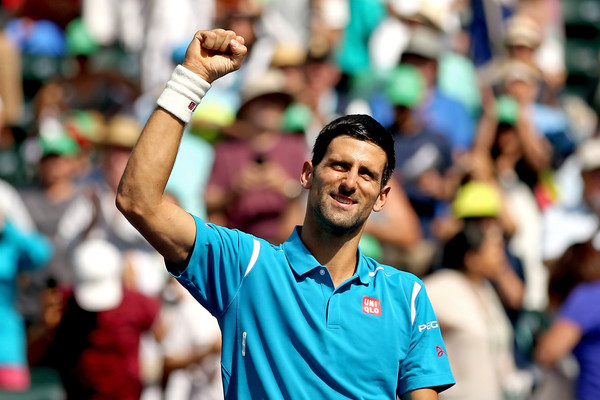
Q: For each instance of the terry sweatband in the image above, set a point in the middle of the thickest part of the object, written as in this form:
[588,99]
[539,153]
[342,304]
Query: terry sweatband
[183,93]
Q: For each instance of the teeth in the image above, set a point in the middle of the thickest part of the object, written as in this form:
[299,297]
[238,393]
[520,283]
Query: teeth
[343,200]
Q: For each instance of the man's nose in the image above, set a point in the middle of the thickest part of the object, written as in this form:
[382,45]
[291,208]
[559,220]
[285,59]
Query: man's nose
[349,181]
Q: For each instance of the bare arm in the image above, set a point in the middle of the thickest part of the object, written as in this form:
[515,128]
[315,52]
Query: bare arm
[421,394]
[557,342]
[510,287]
[537,150]
[167,227]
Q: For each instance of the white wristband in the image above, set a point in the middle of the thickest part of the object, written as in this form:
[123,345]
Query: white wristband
[183,93]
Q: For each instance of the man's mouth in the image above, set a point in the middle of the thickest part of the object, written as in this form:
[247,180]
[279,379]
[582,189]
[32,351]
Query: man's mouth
[343,199]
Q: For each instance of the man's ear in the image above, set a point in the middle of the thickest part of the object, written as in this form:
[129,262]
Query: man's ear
[380,202]
[307,175]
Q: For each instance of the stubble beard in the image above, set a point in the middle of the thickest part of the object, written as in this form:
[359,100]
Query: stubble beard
[336,223]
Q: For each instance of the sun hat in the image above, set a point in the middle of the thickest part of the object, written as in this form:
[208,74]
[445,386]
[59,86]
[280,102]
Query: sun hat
[426,42]
[523,31]
[122,131]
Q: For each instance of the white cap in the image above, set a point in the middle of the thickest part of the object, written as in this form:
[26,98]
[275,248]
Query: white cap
[98,275]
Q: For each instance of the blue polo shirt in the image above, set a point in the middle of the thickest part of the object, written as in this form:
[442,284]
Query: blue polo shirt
[288,333]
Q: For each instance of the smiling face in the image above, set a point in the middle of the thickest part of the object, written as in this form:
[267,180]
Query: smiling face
[345,186]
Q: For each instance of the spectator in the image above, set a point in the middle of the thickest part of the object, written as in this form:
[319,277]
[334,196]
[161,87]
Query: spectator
[578,223]
[575,289]
[472,318]
[95,344]
[441,113]
[423,156]
[47,202]
[482,203]
[517,155]
[252,180]
[99,218]
[20,251]
[191,345]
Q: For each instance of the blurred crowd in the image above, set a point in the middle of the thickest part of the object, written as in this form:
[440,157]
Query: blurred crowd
[495,201]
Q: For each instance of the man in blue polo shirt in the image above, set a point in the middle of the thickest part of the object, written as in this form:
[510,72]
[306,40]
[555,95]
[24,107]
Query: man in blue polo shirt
[312,318]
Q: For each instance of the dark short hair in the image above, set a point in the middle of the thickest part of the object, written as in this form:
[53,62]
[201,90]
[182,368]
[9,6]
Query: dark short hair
[361,127]
[470,237]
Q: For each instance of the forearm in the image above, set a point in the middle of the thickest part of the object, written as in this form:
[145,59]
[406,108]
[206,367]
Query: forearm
[486,134]
[557,342]
[167,227]
[510,287]
[536,150]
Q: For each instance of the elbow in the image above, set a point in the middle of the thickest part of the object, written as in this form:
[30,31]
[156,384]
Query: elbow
[123,202]
[126,204]
[544,358]
[136,206]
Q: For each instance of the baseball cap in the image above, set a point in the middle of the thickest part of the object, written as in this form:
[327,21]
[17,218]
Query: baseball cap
[507,110]
[98,267]
[405,86]
[61,145]
[588,154]
[79,40]
[476,199]
[296,118]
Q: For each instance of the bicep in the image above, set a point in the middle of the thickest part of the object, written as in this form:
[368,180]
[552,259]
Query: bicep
[557,342]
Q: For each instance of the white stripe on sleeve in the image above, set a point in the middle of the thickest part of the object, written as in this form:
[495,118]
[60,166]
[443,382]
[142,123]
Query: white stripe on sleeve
[254,256]
[413,310]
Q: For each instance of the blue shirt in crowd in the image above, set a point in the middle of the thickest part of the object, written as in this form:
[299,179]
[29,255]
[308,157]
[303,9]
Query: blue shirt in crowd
[579,308]
[19,251]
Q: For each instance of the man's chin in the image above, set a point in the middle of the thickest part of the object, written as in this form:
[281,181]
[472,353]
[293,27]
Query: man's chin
[343,228]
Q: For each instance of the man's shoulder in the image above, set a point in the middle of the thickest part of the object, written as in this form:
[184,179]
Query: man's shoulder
[391,274]
[234,237]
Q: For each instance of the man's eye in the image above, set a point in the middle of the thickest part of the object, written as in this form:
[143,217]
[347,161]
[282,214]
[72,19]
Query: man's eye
[366,174]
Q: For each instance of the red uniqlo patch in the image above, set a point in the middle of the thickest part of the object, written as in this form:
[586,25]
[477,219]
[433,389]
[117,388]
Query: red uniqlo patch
[192,106]
[371,306]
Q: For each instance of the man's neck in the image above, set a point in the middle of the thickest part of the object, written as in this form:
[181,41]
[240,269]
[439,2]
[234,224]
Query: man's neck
[337,253]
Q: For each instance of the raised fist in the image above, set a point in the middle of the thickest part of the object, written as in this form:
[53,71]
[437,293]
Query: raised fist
[212,54]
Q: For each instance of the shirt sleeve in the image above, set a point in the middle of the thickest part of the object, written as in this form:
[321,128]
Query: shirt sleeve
[217,265]
[426,364]
[576,307]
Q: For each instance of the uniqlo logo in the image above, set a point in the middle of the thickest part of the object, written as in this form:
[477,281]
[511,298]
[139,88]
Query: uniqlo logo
[192,106]
[371,306]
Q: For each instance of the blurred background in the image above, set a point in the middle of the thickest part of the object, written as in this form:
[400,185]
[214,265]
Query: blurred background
[495,199]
